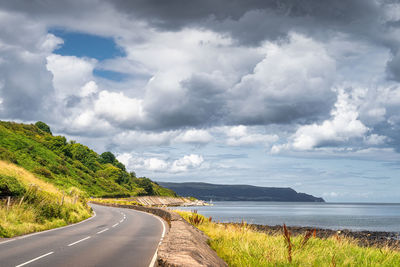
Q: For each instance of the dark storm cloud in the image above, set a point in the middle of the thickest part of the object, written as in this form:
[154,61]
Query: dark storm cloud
[256,20]
[47,7]
[202,103]
[251,22]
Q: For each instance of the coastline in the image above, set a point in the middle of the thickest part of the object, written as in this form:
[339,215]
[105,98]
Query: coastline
[363,238]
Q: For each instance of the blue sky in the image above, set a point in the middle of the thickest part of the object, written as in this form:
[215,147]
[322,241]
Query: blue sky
[235,93]
[87,45]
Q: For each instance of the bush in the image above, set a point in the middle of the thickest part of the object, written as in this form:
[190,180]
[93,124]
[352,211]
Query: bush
[43,172]
[7,155]
[107,157]
[43,126]
[10,186]
[59,169]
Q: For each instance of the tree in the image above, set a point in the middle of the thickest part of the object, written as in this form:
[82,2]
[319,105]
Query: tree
[146,184]
[43,126]
[107,157]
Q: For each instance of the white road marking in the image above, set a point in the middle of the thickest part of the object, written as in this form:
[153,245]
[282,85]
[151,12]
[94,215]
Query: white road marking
[102,231]
[35,259]
[114,225]
[83,239]
[121,221]
[46,231]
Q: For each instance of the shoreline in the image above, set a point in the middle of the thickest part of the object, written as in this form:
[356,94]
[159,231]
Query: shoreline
[363,238]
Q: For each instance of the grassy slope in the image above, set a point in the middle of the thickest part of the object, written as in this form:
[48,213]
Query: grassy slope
[36,205]
[240,246]
[71,164]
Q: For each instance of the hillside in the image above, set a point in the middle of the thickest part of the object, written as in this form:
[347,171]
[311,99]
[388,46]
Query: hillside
[217,192]
[70,164]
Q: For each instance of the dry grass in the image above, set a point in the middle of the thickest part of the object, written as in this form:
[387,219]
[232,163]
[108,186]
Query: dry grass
[26,177]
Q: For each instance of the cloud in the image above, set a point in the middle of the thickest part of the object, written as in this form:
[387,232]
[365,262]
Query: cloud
[353,123]
[120,109]
[239,136]
[343,126]
[70,74]
[187,162]
[292,83]
[194,136]
[131,139]
[155,164]
[26,88]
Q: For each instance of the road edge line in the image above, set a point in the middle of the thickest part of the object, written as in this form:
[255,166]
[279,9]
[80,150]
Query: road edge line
[153,260]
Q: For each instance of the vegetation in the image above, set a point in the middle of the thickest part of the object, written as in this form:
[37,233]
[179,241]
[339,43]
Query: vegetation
[35,205]
[70,164]
[239,245]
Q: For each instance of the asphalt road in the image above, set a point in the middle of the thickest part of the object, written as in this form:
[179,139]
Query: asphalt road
[113,237]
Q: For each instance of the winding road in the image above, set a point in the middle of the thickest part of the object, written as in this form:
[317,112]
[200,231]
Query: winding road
[112,237]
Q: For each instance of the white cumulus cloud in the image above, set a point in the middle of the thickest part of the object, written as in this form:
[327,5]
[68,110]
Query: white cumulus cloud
[187,162]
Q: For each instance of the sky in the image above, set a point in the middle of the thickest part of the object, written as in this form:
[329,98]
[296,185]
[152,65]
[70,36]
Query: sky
[302,94]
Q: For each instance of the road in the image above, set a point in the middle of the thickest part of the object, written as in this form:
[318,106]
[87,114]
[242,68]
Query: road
[113,237]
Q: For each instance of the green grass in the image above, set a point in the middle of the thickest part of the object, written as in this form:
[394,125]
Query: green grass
[241,246]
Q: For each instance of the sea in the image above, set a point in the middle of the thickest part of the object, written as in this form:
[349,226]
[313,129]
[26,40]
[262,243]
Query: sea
[353,216]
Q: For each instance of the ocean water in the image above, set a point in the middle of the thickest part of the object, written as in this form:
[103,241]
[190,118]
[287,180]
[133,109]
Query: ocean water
[352,216]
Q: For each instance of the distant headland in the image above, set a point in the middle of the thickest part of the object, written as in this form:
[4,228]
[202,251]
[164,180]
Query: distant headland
[219,192]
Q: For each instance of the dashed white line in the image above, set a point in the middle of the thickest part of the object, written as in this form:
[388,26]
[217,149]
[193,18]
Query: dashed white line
[35,259]
[102,231]
[114,225]
[83,239]
[121,221]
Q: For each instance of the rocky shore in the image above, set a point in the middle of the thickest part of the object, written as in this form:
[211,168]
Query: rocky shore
[364,238]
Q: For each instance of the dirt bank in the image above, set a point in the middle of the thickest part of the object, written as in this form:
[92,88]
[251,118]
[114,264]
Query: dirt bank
[185,245]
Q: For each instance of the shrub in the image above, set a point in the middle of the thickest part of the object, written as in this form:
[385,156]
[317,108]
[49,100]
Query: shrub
[10,186]
[7,155]
[59,169]
[43,172]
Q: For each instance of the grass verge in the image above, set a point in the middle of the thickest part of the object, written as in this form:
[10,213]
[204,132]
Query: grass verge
[239,245]
[35,205]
